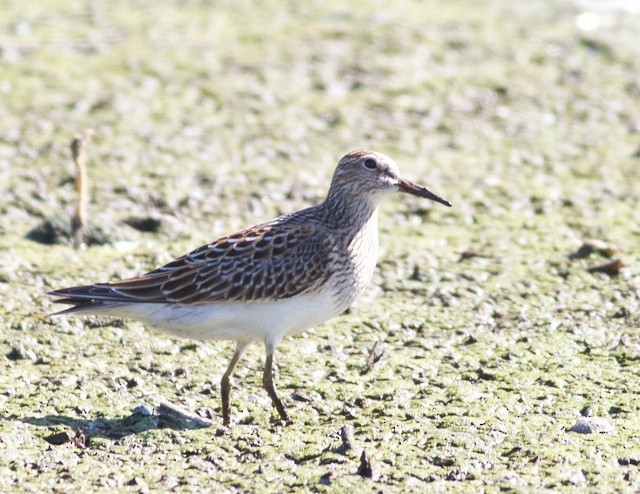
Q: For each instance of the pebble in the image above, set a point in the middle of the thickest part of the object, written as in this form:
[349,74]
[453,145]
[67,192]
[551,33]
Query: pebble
[142,410]
[591,425]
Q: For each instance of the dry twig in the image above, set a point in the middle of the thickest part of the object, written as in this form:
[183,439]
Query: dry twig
[78,151]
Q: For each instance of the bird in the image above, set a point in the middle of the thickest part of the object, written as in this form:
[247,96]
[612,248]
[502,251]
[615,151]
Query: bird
[266,281]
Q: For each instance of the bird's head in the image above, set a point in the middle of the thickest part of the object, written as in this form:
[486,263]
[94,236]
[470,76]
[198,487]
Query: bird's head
[370,175]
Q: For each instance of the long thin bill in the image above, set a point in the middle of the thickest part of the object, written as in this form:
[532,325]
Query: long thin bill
[414,189]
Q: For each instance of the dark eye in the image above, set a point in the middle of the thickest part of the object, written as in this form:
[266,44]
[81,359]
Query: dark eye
[370,164]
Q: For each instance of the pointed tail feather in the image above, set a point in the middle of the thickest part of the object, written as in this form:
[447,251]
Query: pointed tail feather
[87,299]
[84,306]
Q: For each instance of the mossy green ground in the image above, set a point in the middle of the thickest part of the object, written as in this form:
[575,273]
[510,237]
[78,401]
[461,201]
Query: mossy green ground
[210,116]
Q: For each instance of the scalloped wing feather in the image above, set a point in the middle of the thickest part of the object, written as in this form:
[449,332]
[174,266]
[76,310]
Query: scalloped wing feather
[275,260]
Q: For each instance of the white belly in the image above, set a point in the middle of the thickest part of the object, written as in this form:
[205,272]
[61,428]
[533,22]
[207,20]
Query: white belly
[272,319]
[240,321]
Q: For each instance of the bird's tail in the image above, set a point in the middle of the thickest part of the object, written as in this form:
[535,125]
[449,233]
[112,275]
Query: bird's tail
[87,299]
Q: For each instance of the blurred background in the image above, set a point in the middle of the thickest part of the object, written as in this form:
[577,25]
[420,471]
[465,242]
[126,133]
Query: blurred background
[504,319]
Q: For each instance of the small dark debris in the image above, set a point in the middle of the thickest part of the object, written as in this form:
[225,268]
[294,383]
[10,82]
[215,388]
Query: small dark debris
[455,476]
[443,462]
[133,482]
[145,224]
[365,469]
[512,451]
[132,382]
[301,397]
[625,462]
[60,438]
[20,353]
[612,268]
[416,275]
[325,479]
[622,313]
[377,352]
[594,246]
[470,254]
[483,375]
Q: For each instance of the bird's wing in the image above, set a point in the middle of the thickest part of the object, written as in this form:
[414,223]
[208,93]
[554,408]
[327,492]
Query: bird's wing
[271,261]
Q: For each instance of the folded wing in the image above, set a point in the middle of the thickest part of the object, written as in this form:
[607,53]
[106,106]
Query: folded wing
[266,262]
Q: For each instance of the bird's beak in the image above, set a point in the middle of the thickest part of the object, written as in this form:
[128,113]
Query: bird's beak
[414,189]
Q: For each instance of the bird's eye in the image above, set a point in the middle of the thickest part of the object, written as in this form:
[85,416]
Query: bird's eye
[370,164]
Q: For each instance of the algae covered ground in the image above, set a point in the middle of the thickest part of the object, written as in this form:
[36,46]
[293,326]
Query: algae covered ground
[490,329]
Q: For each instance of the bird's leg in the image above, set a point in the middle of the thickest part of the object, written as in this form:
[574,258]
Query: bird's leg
[267,382]
[225,382]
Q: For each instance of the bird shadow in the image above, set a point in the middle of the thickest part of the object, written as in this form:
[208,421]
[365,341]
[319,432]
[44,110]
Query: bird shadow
[165,416]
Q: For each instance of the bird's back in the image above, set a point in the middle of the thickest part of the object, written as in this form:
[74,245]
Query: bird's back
[279,259]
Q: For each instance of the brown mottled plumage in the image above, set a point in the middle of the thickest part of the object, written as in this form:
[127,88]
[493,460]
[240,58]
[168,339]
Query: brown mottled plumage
[269,261]
[268,280]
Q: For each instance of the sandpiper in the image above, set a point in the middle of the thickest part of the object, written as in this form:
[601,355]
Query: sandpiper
[266,281]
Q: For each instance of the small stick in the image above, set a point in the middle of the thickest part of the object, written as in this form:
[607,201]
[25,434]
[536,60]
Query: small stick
[366,468]
[78,151]
[611,268]
[377,352]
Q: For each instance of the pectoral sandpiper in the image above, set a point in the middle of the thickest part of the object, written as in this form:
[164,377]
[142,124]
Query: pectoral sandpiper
[266,281]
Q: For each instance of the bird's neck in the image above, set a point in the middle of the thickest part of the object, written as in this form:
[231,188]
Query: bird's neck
[347,212]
